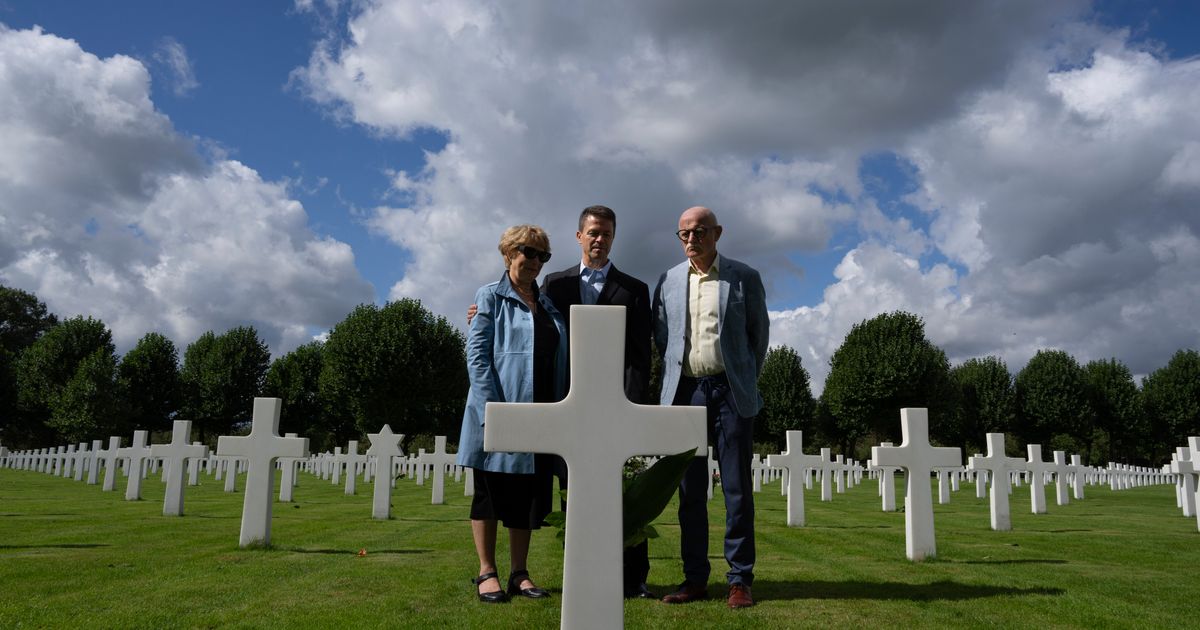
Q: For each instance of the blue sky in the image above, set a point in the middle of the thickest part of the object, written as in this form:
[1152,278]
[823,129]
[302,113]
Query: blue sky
[1023,175]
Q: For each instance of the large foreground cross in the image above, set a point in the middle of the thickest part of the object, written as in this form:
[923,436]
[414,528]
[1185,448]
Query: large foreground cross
[260,449]
[595,429]
[917,457]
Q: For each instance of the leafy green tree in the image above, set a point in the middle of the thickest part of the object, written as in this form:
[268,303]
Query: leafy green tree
[295,378]
[1117,408]
[1172,402]
[397,365]
[77,352]
[985,403]
[884,364]
[88,406]
[23,318]
[788,402]
[221,375]
[1052,403]
[149,383]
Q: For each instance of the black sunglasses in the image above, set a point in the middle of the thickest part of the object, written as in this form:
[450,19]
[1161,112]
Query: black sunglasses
[533,252]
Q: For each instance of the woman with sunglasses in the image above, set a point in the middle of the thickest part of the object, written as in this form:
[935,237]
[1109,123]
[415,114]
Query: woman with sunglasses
[516,352]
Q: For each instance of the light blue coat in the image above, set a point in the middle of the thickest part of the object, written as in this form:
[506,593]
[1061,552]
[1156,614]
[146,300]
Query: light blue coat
[500,368]
[742,324]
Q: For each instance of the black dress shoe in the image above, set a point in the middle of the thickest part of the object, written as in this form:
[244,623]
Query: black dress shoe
[491,597]
[641,591]
[514,586]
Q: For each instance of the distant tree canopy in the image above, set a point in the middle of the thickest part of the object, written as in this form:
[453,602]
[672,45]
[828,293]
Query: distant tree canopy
[397,365]
[221,375]
[68,377]
[884,364]
[1172,402]
[295,379]
[1052,403]
[148,376]
[788,403]
[23,318]
[1117,407]
[983,391]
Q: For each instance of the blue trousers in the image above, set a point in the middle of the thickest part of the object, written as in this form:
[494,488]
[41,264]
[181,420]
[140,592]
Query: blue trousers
[731,437]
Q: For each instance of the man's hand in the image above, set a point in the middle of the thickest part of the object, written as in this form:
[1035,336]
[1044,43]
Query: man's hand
[471,310]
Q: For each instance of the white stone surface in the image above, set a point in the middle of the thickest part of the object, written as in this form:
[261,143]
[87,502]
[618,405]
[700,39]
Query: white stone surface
[998,466]
[175,455]
[825,467]
[794,462]
[439,459]
[287,466]
[385,446]
[1061,469]
[351,459]
[260,449]
[1037,470]
[110,457]
[135,455]
[94,462]
[595,429]
[917,457]
[1078,477]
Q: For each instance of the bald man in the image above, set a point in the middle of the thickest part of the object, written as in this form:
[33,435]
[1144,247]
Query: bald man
[710,324]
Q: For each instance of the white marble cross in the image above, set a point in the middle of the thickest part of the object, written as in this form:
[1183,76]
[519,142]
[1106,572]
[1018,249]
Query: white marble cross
[1182,466]
[82,456]
[1037,482]
[338,460]
[287,481]
[1194,451]
[175,454]
[94,462]
[998,466]
[439,459]
[887,483]
[795,462]
[260,449]
[135,457]
[385,445]
[1078,476]
[595,429]
[917,457]
[110,456]
[825,468]
[1061,468]
[352,459]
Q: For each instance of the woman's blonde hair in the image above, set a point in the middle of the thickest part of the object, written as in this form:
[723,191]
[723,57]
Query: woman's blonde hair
[518,235]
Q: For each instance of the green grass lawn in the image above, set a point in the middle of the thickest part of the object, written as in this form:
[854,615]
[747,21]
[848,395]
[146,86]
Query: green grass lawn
[73,556]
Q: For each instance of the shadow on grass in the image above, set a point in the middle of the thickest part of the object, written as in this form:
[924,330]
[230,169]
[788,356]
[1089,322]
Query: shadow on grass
[943,590]
[1020,561]
[62,546]
[853,526]
[353,552]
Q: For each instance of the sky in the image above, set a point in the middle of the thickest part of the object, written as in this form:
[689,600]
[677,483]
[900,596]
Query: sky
[1022,174]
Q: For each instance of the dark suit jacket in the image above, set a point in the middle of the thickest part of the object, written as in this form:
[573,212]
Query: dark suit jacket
[620,289]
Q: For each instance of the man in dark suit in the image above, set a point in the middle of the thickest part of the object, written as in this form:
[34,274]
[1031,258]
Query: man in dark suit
[595,280]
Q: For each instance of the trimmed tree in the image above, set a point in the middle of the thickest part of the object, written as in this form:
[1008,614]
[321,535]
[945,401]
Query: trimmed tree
[1172,398]
[985,403]
[149,383]
[397,365]
[1117,408]
[66,380]
[221,375]
[788,403]
[295,378]
[884,364]
[1052,403]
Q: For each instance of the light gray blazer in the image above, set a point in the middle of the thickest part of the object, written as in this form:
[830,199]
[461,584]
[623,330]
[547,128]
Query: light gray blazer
[742,325]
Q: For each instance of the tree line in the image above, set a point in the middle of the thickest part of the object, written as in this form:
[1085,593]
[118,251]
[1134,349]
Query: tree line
[62,382]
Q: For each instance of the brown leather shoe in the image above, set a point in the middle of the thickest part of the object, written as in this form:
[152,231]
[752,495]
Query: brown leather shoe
[739,596]
[687,592]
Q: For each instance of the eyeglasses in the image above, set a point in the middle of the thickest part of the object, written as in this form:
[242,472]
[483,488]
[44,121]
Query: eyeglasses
[533,252]
[700,233]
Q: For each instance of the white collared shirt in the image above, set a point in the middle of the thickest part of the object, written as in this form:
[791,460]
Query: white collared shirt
[702,356]
[591,282]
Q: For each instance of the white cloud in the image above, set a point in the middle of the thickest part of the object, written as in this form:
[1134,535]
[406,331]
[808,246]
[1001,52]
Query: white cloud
[1055,161]
[174,57]
[108,211]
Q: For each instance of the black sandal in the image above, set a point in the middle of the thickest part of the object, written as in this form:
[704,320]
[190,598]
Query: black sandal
[514,586]
[491,597]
